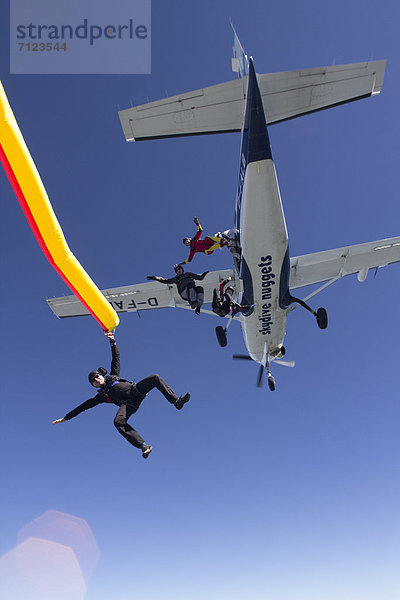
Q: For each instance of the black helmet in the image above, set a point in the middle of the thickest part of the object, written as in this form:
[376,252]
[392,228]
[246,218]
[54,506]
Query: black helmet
[176,267]
[92,374]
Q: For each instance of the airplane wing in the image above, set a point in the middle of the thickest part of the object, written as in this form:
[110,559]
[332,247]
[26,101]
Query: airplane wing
[220,108]
[142,296]
[333,264]
[305,270]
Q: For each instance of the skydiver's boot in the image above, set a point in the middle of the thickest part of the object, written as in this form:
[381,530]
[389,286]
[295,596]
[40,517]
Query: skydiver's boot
[182,400]
[146,449]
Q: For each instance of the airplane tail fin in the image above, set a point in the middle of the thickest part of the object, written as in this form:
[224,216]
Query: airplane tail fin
[240,63]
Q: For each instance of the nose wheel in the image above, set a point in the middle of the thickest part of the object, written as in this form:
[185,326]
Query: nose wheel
[271,382]
[270,378]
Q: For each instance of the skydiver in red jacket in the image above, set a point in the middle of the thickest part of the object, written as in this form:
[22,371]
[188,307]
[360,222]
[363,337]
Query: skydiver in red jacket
[207,245]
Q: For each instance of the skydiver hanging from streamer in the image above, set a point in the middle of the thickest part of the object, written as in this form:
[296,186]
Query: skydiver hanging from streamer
[187,289]
[125,394]
[208,245]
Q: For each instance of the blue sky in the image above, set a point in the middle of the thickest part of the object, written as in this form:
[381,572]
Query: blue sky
[247,494]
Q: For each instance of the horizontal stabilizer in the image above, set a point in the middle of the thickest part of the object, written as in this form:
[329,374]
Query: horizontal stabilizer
[220,108]
[141,296]
[331,264]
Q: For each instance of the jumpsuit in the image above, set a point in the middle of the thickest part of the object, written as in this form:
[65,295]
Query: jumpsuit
[127,395]
[187,289]
[208,245]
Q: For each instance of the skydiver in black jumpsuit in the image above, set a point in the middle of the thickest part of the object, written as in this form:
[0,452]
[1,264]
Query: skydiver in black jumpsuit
[187,289]
[125,394]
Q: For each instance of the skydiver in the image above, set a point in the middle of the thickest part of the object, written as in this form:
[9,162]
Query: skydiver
[208,245]
[187,289]
[125,394]
[223,302]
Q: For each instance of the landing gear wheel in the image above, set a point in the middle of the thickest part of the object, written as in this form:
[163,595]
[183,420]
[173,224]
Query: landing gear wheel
[271,383]
[283,351]
[221,336]
[322,318]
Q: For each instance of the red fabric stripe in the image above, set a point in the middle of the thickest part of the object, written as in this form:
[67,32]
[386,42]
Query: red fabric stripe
[32,223]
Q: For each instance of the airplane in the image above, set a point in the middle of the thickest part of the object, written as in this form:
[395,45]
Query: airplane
[264,275]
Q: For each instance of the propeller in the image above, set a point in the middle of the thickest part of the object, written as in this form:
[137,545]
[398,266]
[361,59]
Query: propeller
[260,372]
[260,376]
[284,363]
[276,361]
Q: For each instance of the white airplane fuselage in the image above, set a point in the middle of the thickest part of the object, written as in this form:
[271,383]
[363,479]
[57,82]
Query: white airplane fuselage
[263,235]
[264,243]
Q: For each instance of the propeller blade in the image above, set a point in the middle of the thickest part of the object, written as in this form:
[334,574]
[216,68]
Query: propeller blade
[285,363]
[242,356]
[260,376]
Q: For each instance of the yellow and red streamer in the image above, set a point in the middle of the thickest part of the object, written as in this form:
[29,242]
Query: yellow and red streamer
[32,196]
